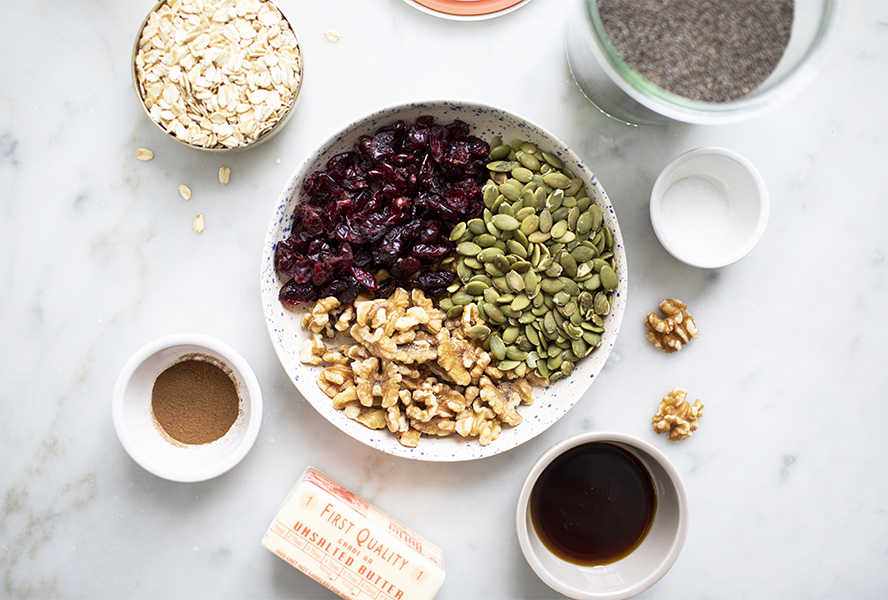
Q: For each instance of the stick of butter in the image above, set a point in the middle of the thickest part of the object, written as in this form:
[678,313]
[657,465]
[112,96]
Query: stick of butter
[348,545]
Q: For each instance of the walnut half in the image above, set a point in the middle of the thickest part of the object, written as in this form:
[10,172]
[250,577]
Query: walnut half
[673,332]
[677,415]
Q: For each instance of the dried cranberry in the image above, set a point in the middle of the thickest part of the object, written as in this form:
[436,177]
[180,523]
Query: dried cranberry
[293,293]
[429,280]
[387,204]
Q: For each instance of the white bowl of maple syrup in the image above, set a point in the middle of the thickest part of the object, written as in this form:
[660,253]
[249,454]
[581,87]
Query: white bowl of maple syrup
[602,516]
[187,407]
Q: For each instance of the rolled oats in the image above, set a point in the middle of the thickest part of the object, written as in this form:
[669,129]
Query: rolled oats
[218,73]
[332,35]
[144,154]
[185,191]
[224,175]
[198,224]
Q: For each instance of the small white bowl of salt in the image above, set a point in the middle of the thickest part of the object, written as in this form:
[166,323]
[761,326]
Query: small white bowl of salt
[709,207]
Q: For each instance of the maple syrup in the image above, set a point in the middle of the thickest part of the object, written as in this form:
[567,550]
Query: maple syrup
[594,504]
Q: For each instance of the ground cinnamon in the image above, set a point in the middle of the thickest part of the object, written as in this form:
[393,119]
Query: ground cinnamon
[195,401]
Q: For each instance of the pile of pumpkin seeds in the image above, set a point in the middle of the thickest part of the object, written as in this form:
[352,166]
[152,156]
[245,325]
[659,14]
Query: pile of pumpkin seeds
[539,264]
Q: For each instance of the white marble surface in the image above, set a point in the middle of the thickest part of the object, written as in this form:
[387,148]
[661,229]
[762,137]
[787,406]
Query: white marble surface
[786,475]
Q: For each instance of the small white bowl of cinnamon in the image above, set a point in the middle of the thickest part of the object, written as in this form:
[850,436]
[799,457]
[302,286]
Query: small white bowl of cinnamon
[187,407]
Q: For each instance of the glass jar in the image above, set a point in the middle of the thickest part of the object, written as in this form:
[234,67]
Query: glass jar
[620,92]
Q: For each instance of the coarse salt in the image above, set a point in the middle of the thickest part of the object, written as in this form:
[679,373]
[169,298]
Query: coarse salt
[696,214]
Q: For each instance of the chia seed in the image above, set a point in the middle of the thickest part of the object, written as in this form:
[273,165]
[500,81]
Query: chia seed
[707,50]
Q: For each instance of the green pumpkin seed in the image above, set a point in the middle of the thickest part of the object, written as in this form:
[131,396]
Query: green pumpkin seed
[546,221]
[561,298]
[539,196]
[502,264]
[549,324]
[462,298]
[575,184]
[522,174]
[559,229]
[609,279]
[500,166]
[525,213]
[531,282]
[538,237]
[476,288]
[584,222]
[478,332]
[515,281]
[468,248]
[477,226]
[600,304]
[511,192]
[497,347]
[507,365]
[520,302]
[513,353]
[455,312]
[560,214]
[597,217]
[500,152]
[553,160]
[521,266]
[556,180]
[485,240]
[569,264]
[580,254]
[554,362]
[458,230]
[510,334]
[592,339]
[487,254]
[554,270]
[505,222]
[530,223]
[516,248]
[551,285]
[496,315]
[572,218]
[529,161]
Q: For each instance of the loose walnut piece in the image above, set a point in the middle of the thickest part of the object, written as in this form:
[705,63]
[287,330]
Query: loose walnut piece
[673,332]
[677,415]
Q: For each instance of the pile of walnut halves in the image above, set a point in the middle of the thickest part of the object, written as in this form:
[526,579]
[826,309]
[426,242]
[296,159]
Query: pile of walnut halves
[411,370]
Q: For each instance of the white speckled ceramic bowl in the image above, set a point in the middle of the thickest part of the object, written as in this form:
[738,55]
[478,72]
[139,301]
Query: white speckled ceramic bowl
[143,438]
[638,571]
[287,335]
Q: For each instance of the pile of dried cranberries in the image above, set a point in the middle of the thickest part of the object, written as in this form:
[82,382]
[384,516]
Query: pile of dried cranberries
[388,205]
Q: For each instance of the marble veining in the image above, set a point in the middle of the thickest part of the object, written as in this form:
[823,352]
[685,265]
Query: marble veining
[785,475]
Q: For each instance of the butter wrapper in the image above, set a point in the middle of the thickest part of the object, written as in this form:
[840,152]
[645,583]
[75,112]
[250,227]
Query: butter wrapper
[348,545]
